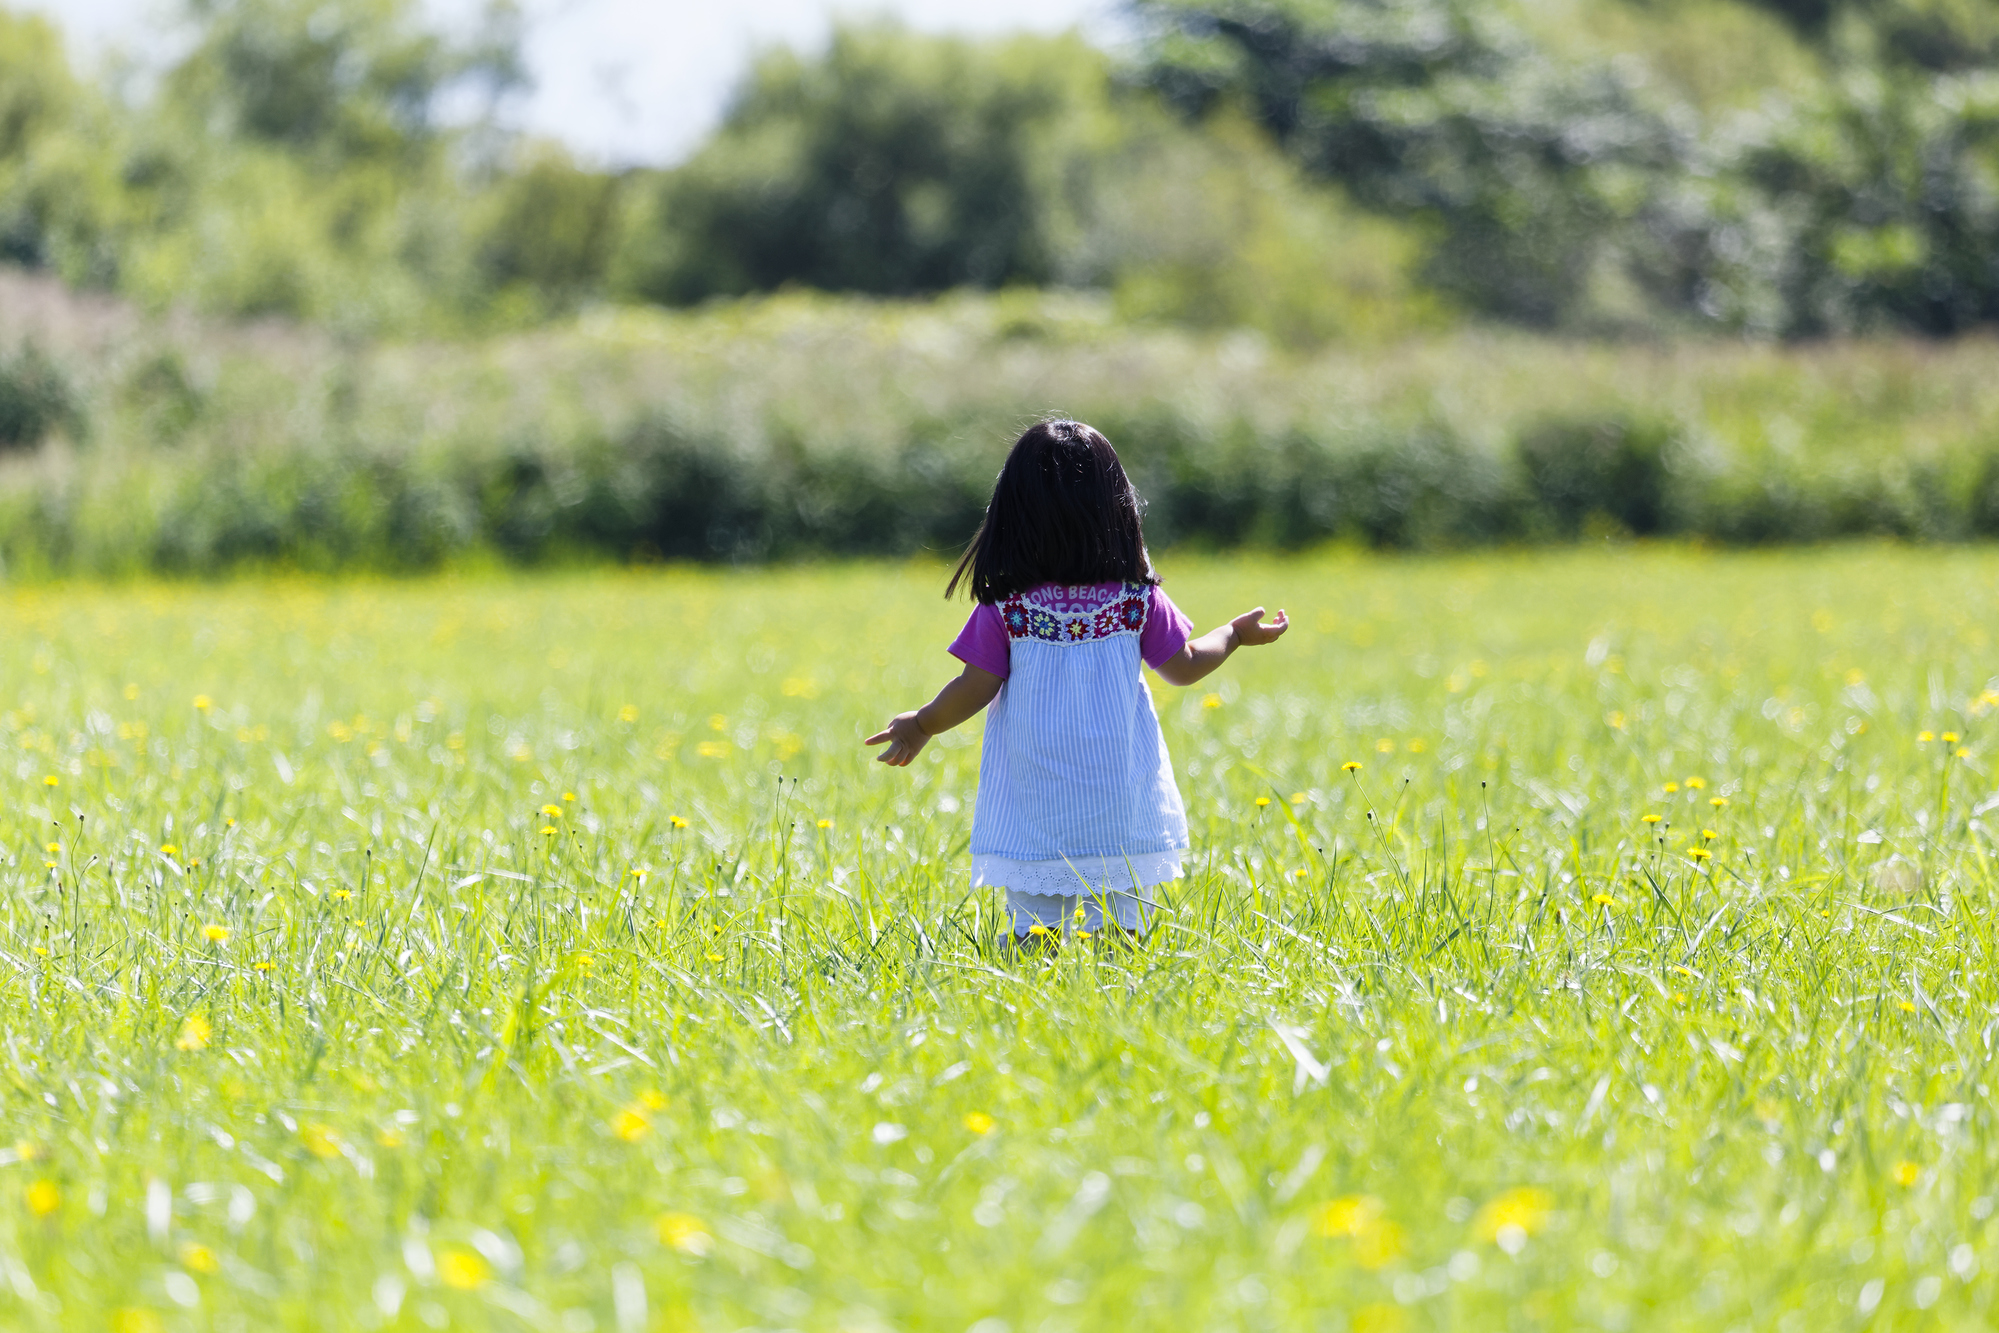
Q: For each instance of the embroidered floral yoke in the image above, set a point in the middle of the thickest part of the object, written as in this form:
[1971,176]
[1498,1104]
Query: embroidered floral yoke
[1076,790]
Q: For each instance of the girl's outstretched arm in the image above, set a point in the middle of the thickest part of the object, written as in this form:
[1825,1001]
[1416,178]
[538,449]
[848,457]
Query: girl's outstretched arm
[908,733]
[1204,654]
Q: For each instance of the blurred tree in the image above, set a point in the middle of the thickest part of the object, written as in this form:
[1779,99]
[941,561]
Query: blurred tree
[1941,36]
[895,163]
[339,79]
[58,189]
[298,160]
[1523,171]
[1217,229]
[1868,200]
[548,229]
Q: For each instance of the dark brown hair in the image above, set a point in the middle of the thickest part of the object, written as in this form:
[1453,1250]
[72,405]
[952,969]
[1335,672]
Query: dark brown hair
[1063,511]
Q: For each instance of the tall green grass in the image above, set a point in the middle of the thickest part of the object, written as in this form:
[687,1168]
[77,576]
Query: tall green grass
[803,426]
[341,1005]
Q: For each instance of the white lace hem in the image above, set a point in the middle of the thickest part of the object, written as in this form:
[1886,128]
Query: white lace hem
[1078,876]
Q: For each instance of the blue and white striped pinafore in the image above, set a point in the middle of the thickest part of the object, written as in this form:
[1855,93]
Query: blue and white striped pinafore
[1076,790]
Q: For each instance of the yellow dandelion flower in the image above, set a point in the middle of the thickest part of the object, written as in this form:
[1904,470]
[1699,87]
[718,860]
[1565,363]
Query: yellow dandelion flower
[1514,1215]
[1962,753]
[548,830]
[1694,784]
[1417,746]
[1672,787]
[631,1124]
[1678,997]
[1925,737]
[41,951]
[639,873]
[215,934]
[262,967]
[1384,746]
[629,713]
[1949,738]
[1380,1245]
[713,749]
[569,796]
[1348,1215]
[197,1258]
[652,1099]
[552,811]
[1701,854]
[825,823]
[1211,701]
[1350,766]
[1907,1174]
[1084,935]
[1709,835]
[1683,971]
[979,1122]
[1038,929]
[43,1198]
[203,702]
[320,1140]
[1651,819]
[683,1232]
[342,895]
[1299,798]
[1262,801]
[1377,1242]
[1717,801]
[194,1033]
[586,961]
[168,849]
[1906,1006]
[52,781]
[677,821]
[715,958]
[461,1270]
[1079,913]
[1604,900]
[1298,873]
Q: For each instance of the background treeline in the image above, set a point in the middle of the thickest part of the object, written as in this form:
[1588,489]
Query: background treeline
[1327,270]
[808,426]
[1314,168]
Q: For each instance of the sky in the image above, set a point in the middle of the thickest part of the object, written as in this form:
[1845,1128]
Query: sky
[633,81]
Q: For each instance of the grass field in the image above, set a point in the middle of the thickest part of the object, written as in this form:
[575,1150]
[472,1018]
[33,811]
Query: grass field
[545,953]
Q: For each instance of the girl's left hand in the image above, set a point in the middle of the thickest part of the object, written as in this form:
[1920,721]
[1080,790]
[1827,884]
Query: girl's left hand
[906,739]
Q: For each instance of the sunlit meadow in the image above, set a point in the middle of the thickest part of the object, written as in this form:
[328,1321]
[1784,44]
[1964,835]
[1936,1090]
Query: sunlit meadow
[1575,940]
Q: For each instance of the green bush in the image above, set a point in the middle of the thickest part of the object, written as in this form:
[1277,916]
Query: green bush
[798,427]
[1597,472]
[36,400]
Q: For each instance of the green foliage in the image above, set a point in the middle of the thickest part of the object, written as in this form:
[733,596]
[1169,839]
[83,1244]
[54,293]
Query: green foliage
[338,82]
[895,163]
[1565,192]
[1434,109]
[1599,471]
[36,400]
[545,952]
[797,427]
[550,229]
[1215,230]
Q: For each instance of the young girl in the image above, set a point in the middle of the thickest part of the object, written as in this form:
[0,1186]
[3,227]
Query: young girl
[1077,804]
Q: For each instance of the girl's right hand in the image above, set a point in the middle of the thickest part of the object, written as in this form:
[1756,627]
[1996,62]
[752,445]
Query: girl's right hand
[1251,631]
[906,739]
